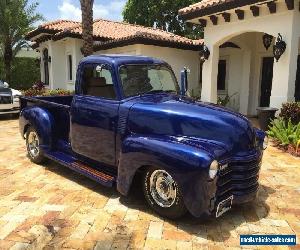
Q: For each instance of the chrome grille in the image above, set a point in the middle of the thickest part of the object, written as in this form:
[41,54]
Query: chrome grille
[5,99]
[238,179]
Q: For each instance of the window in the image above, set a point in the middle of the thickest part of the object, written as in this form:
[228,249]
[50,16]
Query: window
[222,75]
[46,66]
[140,79]
[97,81]
[70,67]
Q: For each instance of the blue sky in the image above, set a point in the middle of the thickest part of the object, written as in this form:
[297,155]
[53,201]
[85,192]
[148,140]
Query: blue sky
[70,9]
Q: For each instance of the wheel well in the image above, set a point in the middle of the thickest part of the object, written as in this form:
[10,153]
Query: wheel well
[136,180]
[25,129]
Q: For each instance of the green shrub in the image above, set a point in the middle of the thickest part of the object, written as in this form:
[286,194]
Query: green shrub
[285,132]
[38,89]
[25,71]
[225,100]
[290,110]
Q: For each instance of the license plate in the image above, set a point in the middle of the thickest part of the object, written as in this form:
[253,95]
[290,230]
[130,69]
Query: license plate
[224,206]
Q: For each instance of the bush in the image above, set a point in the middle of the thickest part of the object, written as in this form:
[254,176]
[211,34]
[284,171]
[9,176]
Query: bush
[25,71]
[285,134]
[290,111]
[38,89]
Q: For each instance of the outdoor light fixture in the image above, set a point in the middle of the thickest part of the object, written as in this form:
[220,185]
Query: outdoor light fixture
[204,53]
[279,47]
[267,40]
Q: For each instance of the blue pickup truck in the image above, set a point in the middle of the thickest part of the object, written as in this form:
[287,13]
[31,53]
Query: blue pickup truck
[129,120]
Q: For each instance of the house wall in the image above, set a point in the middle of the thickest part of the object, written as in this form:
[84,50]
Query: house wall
[58,67]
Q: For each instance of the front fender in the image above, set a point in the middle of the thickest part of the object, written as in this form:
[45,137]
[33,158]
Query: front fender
[41,120]
[188,164]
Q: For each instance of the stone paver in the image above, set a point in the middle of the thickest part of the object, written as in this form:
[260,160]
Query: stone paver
[51,207]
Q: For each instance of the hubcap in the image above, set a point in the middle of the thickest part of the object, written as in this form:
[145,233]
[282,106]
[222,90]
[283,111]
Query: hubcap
[163,188]
[33,144]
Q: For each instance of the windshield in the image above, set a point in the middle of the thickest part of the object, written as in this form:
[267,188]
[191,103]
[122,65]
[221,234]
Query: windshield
[1,84]
[141,79]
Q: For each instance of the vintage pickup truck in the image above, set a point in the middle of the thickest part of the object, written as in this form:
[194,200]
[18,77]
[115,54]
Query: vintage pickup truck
[129,120]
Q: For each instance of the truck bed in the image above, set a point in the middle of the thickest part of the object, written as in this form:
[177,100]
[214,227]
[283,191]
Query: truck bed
[58,106]
[46,101]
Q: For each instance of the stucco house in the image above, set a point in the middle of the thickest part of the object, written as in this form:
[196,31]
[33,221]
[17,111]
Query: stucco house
[234,33]
[60,42]
[239,35]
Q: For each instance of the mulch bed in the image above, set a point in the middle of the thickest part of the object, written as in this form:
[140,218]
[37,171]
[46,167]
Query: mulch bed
[290,148]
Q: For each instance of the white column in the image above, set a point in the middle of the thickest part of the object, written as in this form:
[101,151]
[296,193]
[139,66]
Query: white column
[284,72]
[244,88]
[210,75]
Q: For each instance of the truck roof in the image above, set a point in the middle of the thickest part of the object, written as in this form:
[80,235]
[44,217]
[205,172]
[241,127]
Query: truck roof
[119,59]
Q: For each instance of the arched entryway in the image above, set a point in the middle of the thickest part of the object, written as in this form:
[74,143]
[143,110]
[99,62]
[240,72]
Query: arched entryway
[245,72]
[253,78]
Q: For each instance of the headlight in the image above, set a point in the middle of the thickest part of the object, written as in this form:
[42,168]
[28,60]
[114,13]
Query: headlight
[213,169]
[265,143]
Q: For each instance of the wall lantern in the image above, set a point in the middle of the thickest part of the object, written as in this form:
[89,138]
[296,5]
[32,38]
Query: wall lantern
[279,47]
[267,40]
[204,53]
[47,58]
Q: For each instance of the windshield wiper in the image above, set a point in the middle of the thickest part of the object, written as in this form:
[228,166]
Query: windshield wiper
[159,91]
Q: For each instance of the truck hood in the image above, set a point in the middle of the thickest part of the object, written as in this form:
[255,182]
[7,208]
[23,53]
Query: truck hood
[172,115]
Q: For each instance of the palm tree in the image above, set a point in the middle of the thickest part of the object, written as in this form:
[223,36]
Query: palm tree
[87,26]
[17,18]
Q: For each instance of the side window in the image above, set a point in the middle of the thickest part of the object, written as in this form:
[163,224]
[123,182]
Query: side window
[97,81]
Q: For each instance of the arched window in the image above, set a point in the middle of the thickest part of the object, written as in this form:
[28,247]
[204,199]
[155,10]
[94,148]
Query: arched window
[46,66]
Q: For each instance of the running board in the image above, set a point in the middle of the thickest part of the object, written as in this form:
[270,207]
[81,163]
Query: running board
[81,168]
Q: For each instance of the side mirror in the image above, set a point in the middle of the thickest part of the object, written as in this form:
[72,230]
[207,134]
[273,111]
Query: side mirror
[6,85]
[184,81]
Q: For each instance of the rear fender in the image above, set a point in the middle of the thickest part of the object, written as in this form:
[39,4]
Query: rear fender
[41,120]
[187,164]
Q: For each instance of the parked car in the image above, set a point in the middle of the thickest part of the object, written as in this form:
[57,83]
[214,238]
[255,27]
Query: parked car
[9,99]
[128,120]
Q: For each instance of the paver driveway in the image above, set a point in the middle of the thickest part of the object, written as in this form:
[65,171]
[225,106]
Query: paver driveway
[52,207]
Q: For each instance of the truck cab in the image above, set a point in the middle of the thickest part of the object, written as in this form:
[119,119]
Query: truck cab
[129,118]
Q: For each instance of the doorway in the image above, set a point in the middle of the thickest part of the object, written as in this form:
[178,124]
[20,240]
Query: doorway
[266,81]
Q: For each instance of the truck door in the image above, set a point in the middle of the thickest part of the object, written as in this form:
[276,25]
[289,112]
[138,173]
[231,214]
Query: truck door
[94,114]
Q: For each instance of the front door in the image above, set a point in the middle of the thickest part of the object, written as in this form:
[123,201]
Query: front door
[266,81]
[94,116]
[297,85]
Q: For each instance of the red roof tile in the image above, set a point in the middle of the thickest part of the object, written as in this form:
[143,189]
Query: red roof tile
[52,27]
[112,31]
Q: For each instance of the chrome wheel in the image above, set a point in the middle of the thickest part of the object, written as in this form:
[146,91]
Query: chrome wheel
[33,144]
[163,188]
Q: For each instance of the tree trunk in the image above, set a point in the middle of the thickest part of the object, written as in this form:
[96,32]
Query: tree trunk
[8,56]
[87,26]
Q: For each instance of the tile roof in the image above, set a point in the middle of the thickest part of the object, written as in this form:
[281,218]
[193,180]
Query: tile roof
[208,7]
[112,32]
[52,27]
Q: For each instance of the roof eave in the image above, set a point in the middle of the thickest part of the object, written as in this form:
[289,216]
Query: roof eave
[209,10]
[146,41]
[39,31]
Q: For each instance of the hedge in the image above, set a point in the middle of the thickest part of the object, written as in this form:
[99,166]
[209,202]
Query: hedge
[25,71]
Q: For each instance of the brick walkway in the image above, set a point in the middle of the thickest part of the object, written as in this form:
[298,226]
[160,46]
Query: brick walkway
[52,207]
